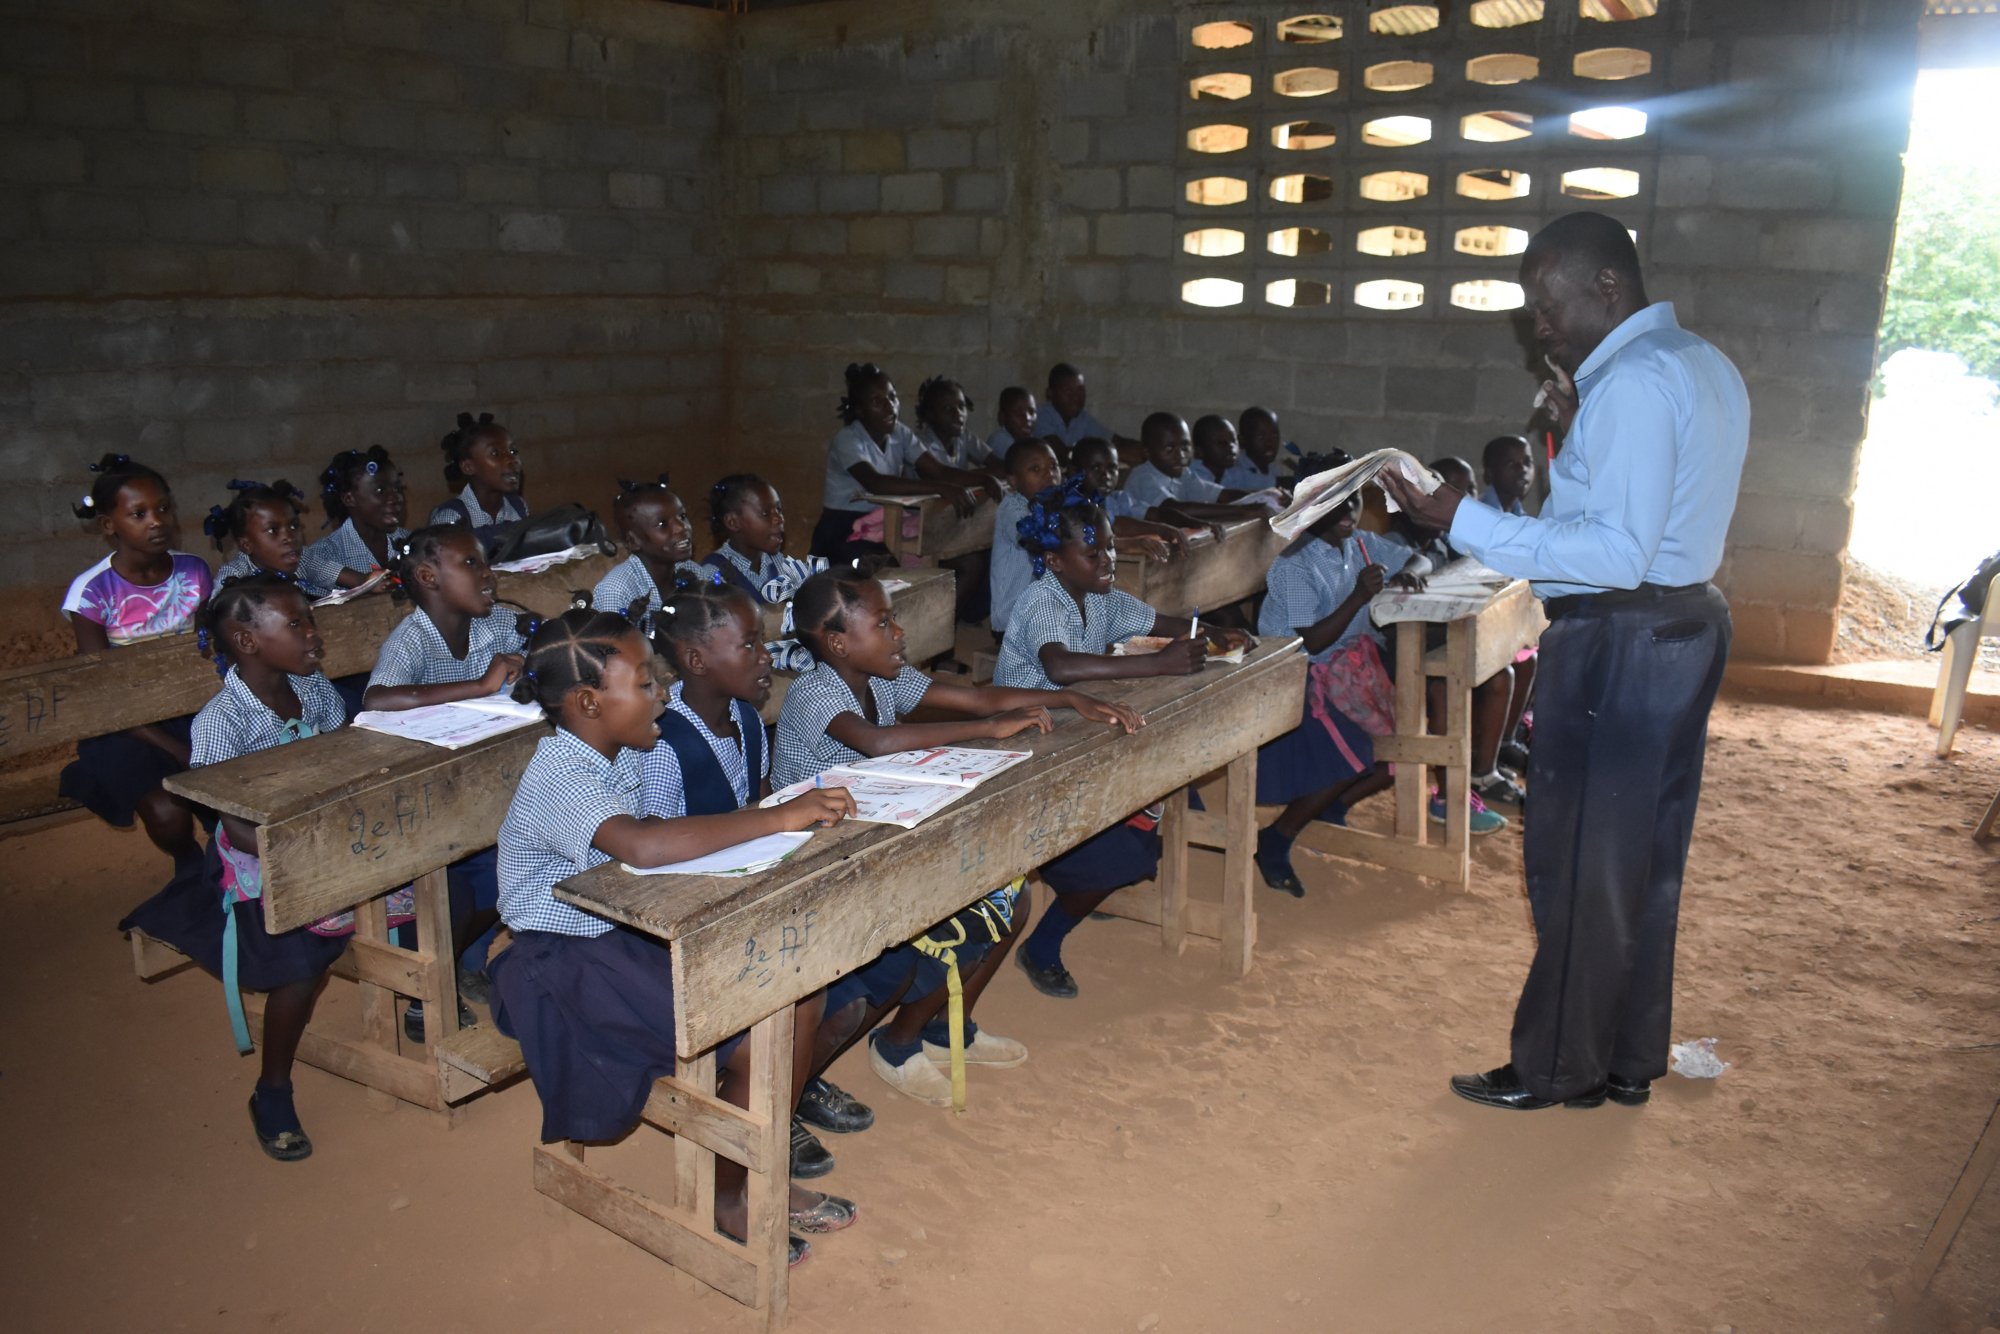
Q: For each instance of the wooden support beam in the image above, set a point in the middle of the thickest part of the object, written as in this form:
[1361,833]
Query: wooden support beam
[647,1224]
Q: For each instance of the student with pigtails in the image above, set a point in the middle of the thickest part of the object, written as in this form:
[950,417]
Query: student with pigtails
[872,453]
[142,590]
[481,454]
[654,524]
[262,521]
[362,492]
[746,518]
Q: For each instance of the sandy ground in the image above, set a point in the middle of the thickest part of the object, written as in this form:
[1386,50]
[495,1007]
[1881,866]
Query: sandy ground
[1279,1153]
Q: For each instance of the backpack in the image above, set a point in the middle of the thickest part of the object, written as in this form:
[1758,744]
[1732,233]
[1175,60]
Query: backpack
[545,534]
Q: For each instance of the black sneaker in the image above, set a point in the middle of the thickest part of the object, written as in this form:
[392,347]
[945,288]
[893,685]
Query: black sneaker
[809,1157]
[1515,756]
[833,1109]
[413,1020]
[474,985]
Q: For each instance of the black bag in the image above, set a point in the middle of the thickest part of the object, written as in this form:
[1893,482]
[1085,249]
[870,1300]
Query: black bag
[546,533]
[1971,603]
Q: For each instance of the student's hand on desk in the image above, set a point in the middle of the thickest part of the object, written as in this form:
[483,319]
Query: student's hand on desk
[821,806]
[1226,640]
[1101,711]
[1183,656]
[961,499]
[501,672]
[1369,582]
[1409,583]
[1019,720]
[991,487]
[1144,548]
[1432,511]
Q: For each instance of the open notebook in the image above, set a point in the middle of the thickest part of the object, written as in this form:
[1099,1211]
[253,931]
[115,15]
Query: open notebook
[453,725]
[909,787]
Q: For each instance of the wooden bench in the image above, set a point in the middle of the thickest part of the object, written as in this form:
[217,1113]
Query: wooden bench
[941,534]
[345,817]
[745,950]
[1210,574]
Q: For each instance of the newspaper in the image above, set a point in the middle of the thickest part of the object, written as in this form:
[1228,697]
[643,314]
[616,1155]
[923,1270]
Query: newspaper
[1318,494]
[1462,588]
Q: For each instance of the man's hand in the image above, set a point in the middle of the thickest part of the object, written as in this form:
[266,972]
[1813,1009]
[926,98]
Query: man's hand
[1432,511]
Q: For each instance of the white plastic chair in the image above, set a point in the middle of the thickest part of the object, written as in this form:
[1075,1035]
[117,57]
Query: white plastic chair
[1961,650]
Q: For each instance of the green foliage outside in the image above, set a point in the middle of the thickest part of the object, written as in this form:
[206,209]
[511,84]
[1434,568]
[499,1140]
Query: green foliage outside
[1944,280]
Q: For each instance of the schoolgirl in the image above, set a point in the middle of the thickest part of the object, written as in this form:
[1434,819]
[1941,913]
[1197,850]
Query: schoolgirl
[262,522]
[481,454]
[362,492]
[656,530]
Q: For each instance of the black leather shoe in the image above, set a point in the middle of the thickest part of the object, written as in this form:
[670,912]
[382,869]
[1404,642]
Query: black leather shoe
[1502,1088]
[1054,981]
[832,1108]
[1627,1092]
[809,1157]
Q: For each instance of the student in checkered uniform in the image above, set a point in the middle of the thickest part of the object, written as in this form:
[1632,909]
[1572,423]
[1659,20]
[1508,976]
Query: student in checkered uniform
[656,530]
[273,694]
[456,645]
[1062,630]
[262,522]
[591,1002]
[850,705]
[362,491]
[872,454]
[948,452]
[746,518]
[1031,468]
[481,454]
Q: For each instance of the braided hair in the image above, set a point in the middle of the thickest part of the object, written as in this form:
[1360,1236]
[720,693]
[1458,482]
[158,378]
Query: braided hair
[933,392]
[236,602]
[630,493]
[1058,515]
[727,496]
[457,444]
[821,605]
[860,374]
[342,475]
[422,548]
[695,608]
[114,473]
[228,523]
[568,651]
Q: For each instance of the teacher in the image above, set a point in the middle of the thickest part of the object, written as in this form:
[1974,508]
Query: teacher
[1657,423]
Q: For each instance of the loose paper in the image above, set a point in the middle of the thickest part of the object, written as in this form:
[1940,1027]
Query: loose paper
[453,726]
[536,564]
[748,858]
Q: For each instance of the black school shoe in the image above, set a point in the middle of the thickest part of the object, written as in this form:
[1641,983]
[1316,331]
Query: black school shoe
[1053,982]
[809,1157]
[832,1108]
[1502,1088]
[413,1020]
[1627,1092]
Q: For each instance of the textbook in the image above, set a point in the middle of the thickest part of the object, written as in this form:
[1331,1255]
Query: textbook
[909,787]
[453,726]
[341,595]
[747,858]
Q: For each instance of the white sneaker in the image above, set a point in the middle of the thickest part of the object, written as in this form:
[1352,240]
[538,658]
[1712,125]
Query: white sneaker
[986,1048]
[915,1078]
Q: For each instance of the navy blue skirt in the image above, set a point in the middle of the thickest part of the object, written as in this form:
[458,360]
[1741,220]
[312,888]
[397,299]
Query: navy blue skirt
[474,883]
[1122,855]
[1306,759]
[595,1019]
[187,914]
[351,689]
[111,775]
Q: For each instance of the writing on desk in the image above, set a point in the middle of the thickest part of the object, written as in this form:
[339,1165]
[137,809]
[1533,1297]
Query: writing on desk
[38,707]
[407,812]
[1051,821]
[762,962]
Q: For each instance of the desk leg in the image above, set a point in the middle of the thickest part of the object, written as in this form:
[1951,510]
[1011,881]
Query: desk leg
[1239,911]
[892,530]
[770,1191]
[1457,778]
[1173,872]
[694,1166]
[441,968]
[378,1004]
[1411,786]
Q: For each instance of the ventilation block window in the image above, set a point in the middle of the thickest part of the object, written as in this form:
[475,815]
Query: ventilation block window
[1496,127]
[1298,292]
[1600,183]
[1295,241]
[1505,13]
[1486,294]
[1502,68]
[1218,138]
[1223,36]
[1212,292]
[1617,11]
[1608,123]
[1214,191]
[1301,188]
[1309,29]
[1393,187]
[1493,183]
[1303,136]
[1388,294]
[1392,241]
[1495,241]
[1612,62]
[1398,76]
[1311,81]
[1404,20]
[1219,87]
[1213,242]
[1397,131]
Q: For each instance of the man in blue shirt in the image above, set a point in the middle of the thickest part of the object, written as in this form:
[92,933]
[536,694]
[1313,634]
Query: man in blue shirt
[1640,498]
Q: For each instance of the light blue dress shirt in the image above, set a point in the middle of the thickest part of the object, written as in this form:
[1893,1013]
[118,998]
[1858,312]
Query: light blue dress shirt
[1491,497]
[1644,487]
[1149,486]
[1049,422]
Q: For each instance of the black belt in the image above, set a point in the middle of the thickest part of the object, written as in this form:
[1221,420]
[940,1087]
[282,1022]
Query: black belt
[1557,608]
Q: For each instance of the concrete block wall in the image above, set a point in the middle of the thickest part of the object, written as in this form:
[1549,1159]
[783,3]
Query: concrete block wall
[240,235]
[988,186]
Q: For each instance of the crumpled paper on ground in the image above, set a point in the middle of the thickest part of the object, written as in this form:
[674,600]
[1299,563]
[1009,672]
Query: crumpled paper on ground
[1697,1059]
[1318,494]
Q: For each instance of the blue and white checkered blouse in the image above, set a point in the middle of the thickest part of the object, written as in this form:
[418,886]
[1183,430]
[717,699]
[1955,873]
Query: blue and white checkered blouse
[1047,614]
[414,654]
[664,792]
[237,723]
[566,794]
[816,699]
[321,563]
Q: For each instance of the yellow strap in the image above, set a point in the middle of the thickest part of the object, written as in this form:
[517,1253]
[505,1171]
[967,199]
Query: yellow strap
[947,954]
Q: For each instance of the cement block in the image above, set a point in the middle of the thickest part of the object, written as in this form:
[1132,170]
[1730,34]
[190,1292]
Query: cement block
[635,104]
[785,194]
[1094,95]
[96,104]
[31,157]
[1092,284]
[420,180]
[1069,142]
[850,192]
[455,229]
[1126,234]
[817,236]
[1805,580]
[208,112]
[467,132]
[913,282]
[874,151]
[1090,189]
[535,47]
[527,232]
[1791,184]
[791,279]
[393,26]
[1149,187]
[249,272]
[525,136]
[950,236]
[1683,180]
[1149,141]
[1706,239]
[966,284]
[878,236]
[378,125]
[152,271]
[637,189]
[285,223]
[972,102]
[1839,245]
[913,192]
[493,183]
[940,149]
[89,217]
[975,191]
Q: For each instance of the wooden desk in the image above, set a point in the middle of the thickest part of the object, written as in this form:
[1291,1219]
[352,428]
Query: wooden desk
[926,610]
[91,694]
[1210,574]
[345,817]
[744,951]
[941,534]
[1475,647]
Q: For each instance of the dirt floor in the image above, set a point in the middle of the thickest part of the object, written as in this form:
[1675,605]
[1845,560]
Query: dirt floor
[1278,1153]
